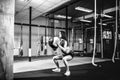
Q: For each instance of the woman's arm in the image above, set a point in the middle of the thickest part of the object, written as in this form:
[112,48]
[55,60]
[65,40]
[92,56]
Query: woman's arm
[64,48]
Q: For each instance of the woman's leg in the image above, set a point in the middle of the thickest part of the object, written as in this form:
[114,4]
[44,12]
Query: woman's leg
[65,60]
[55,59]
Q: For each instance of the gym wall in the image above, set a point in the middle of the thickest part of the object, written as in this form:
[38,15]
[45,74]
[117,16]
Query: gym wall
[37,32]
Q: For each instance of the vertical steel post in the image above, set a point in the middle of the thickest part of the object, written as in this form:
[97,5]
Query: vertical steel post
[30,20]
[66,21]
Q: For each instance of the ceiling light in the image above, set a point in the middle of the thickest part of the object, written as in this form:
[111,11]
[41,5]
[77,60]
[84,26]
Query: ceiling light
[109,10]
[83,9]
[88,16]
[85,20]
[24,0]
[102,24]
[62,16]
[108,16]
[21,0]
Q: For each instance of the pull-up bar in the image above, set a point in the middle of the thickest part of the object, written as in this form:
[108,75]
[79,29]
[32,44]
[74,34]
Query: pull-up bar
[43,26]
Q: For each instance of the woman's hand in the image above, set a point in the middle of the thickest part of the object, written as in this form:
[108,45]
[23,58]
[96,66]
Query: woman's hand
[59,43]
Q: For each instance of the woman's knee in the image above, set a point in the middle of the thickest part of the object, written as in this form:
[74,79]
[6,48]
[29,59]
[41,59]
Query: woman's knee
[67,58]
[56,58]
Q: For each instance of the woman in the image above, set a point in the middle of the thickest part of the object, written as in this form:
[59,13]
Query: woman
[66,56]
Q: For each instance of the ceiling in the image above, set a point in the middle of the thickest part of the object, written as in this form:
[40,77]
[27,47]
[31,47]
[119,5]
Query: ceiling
[58,7]
[103,5]
[39,7]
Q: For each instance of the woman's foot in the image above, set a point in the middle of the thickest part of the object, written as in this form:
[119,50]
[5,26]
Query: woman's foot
[56,70]
[67,73]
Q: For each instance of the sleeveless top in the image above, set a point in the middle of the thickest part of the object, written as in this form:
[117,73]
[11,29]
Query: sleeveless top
[62,43]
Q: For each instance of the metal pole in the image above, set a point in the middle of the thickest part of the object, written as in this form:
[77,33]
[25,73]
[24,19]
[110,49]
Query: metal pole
[42,26]
[45,48]
[66,22]
[82,37]
[30,20]
[116,32]
[72,38]
[118,23]
[54,32]
[101,29]
[86,39]
[94,50]
[38,42]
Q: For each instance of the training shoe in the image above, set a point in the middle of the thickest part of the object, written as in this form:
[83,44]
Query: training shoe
[56,70]
[67,73]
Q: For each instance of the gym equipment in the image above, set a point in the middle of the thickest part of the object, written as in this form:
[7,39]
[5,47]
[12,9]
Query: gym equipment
[45,48]
[116,32]
[21,42]
[108,41]
[94,50]
[53,43]
[56,40]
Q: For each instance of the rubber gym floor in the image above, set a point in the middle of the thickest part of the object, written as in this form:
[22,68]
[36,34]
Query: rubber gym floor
[80,67]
